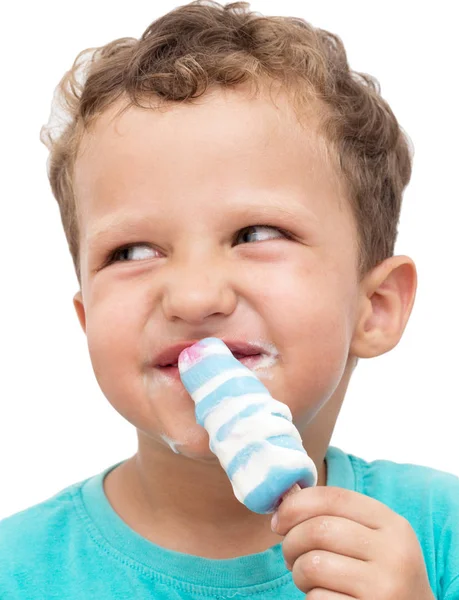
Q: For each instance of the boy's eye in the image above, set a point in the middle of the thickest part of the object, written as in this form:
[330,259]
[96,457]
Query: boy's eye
[122,254]
[245,236]
[248,232]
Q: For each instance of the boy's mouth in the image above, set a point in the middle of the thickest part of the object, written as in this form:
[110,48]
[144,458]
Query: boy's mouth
[252,362]
[240,350]
[246,359]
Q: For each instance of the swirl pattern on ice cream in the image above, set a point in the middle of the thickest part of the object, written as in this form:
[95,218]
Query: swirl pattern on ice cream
[250,432]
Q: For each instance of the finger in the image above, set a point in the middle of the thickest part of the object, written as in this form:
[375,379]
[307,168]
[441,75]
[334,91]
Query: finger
[333,534]
[334,572]
[333,501]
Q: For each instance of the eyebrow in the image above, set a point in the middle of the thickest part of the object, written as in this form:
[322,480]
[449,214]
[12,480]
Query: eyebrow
[122,225]
[115,224]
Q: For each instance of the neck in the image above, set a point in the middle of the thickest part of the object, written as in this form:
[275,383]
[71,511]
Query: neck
[188,506]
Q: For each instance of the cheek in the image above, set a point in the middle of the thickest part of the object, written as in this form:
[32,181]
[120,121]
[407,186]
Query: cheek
[113,343]
[312,329]
[300,300]
[115,328]
[112,330]
[315,364]
[316,298]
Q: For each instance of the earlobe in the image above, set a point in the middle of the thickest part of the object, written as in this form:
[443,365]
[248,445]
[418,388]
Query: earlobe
[79,307]
[387,298]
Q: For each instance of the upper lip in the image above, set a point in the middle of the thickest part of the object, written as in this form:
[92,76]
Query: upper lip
[170,355]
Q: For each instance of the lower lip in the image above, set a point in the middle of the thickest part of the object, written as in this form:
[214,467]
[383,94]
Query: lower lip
[249,361]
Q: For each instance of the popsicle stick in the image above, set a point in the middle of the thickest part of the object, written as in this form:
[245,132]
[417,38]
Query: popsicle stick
[293,490]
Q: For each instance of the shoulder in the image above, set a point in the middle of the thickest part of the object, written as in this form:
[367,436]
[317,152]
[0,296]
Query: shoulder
[429,500]
[33,519]
[405,482]
[394,482]
[36,535]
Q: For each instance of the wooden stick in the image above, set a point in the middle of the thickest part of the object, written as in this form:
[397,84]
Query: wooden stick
[293,490]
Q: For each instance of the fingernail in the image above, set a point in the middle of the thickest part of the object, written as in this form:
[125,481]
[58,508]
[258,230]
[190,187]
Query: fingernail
[288,565]
[274,522]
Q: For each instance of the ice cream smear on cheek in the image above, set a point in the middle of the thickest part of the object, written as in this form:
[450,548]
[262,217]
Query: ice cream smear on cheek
[250,432]
[264,361]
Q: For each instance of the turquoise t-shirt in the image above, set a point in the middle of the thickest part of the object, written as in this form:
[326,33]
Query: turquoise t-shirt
[75,546]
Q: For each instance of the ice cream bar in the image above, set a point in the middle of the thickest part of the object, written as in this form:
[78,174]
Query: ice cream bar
[250,432]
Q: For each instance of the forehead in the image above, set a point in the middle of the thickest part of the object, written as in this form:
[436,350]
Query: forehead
[224,145]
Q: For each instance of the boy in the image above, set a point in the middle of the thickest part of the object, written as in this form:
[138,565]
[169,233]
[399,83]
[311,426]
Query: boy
[217,125]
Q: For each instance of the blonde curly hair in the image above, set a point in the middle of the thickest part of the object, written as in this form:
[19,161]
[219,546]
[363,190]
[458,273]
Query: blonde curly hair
[204,44]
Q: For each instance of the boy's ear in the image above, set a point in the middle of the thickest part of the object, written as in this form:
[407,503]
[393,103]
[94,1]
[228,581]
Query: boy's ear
[79,307]
[386,299]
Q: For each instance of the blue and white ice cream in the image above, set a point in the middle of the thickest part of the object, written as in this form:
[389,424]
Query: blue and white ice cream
[250,432]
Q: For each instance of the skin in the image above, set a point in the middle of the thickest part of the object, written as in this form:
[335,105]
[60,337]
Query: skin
[195,177]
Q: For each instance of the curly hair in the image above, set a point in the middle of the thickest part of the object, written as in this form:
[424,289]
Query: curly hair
[204,44]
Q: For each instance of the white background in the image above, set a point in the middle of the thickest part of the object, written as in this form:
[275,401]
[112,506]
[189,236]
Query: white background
[56,427]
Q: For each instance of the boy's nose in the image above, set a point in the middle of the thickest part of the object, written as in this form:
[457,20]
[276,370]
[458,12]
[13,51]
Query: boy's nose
[195,292]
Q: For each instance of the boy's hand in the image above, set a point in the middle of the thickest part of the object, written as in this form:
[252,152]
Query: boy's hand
[341,545]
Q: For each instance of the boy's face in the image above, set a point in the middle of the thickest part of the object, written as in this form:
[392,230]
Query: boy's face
[201,192]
